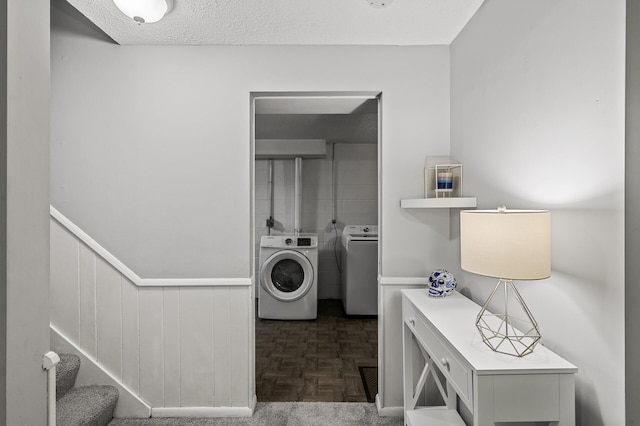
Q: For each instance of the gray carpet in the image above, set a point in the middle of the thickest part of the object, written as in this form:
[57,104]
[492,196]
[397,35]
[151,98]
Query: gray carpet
[285,414]
[83,405]
[66,373]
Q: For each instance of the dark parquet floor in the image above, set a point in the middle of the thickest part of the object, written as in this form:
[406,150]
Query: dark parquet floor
[315,360]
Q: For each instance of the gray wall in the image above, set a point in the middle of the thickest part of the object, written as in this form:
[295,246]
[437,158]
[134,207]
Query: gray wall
[632,218]
[151,144]
[538,122]
[24,206]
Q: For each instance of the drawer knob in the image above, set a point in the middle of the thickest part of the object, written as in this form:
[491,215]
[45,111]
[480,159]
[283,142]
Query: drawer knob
[412,321]
[445,363]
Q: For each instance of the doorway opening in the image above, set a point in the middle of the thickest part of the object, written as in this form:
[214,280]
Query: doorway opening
[316,170]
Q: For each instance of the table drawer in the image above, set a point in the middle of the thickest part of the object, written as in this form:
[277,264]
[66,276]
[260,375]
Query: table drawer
[456,370]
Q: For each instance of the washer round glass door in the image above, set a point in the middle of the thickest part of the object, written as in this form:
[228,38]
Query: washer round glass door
[286,275]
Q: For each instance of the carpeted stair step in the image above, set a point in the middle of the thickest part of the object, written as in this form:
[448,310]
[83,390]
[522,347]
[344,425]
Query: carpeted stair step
[66,373]
[87,406]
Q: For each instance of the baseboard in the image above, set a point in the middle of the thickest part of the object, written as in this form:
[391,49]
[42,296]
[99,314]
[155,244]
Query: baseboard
[91,373]
[388,411]
[205,411]
[253,403]
[201,412]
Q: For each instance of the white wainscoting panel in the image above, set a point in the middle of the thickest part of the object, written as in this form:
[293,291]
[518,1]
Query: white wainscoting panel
[151,346]
[196,346]
[109,318]
[64,291]
[221,322]
[130,335]
[174,345]
[241,344]
[390,341]
[87,274]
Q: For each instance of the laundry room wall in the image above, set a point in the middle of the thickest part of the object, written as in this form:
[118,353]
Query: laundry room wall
[351,198]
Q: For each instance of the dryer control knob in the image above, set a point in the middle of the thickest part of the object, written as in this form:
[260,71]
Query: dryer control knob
[288,241]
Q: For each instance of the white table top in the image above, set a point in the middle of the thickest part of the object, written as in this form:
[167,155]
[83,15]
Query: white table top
[454,317]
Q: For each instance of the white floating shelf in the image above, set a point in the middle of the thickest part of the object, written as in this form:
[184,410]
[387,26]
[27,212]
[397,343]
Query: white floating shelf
[440,203]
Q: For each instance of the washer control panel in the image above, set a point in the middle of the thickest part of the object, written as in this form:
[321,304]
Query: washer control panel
[290,241]
[361,231]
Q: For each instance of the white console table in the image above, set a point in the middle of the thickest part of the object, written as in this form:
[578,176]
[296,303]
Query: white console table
[494,387]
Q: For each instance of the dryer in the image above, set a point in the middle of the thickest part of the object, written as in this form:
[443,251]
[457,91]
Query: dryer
[288,277]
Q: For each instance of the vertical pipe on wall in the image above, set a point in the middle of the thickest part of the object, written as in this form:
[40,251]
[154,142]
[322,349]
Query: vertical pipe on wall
[297,196]
[334,210]
[334,191]
[270,220]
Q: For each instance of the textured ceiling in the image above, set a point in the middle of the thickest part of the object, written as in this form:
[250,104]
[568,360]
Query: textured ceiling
[288,22]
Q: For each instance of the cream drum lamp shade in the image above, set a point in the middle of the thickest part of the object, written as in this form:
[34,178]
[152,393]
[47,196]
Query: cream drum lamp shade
[508,244]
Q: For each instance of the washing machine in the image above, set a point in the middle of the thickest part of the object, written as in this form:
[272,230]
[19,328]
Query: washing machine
[288,277]
[360,269]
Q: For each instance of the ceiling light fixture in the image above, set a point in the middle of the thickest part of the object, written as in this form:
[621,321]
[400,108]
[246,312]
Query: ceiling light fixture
[144,11]
[379,4]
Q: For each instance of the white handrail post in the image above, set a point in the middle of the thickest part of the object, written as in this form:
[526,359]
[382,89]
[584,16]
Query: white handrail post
[49,362]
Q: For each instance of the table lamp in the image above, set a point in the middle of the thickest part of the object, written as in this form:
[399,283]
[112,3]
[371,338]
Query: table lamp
[508,245]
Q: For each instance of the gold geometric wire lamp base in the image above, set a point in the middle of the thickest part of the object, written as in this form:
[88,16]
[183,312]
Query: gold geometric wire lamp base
[507,244]
[514,331]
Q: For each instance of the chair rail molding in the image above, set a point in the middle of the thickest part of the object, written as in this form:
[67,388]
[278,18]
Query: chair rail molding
[131,275]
